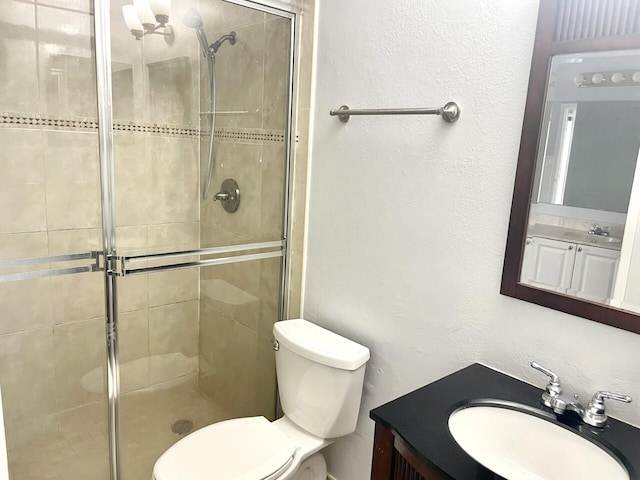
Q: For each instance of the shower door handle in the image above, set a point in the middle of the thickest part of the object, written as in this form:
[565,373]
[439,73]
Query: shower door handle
[128,264]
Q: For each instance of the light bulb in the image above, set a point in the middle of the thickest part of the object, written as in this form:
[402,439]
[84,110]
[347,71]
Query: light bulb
[579,79]
[617,77]
[636,77]
[131,19]
[145,14]
[161,8]
[597,78]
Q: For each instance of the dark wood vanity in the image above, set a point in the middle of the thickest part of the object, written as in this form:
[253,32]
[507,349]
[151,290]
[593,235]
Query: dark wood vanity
[413,442]
[394,460]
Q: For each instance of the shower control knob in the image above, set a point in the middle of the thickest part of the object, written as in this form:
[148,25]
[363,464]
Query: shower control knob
[222,196]
[229,195]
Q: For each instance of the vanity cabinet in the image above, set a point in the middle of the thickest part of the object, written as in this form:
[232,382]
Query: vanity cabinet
[580,270]
[393,460]
[548,264]
[594,273]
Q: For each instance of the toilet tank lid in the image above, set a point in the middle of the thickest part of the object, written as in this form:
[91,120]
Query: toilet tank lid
[320,345]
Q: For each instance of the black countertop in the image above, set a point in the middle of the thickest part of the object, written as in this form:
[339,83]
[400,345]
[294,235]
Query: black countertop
[420,419]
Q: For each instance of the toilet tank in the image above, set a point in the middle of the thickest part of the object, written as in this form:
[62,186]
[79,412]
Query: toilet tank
[320,377]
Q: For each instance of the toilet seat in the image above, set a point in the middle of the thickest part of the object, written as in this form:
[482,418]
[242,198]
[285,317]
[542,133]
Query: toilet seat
[240,449]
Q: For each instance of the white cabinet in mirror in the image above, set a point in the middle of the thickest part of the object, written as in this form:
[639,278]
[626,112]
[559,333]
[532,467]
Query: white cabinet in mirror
[581,270]
[582,234]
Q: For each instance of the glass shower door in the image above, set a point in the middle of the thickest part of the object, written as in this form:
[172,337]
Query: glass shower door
[52,341]
[199,279]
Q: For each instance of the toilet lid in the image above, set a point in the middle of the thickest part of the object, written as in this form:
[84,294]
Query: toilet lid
[239,449]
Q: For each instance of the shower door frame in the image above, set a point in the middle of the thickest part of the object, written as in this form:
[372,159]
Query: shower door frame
[115,266]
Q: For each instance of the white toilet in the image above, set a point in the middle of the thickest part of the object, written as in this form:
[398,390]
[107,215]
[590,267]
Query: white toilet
[320,378]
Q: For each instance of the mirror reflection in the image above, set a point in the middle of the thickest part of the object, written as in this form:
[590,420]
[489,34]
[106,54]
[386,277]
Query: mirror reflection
[585,203]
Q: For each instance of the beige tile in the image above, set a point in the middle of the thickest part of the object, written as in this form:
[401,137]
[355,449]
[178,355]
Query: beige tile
[132,179]
[276,73]
[27,374]
[79,363]
[242,370]
[173,340]
[239,78]
[242,163]
[25,305]
[231,300]
[73,180]
[74,241]
[123,89]
[170,91]
[79,296]
[22,182]
[23,245]
[134,350]
[81,5]
[18,60]
[173,237]
[67,62]
[132,240]
[222,16]
[211,236]
[133,293]
[174,176]
[216,332]
[273,185]
[270,284]
[228,362]
[23,432]
[173,286]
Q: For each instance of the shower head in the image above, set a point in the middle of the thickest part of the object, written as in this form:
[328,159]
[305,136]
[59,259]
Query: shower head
[192,19]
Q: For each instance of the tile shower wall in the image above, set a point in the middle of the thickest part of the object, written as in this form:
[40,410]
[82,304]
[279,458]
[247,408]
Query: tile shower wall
[52,349]
[239,303]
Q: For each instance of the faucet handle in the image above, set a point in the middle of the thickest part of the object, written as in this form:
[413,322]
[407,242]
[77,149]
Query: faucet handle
[599,397]
[595,413]
[553,388]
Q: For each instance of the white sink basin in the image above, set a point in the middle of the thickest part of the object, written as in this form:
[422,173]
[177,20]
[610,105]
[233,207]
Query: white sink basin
[521,446]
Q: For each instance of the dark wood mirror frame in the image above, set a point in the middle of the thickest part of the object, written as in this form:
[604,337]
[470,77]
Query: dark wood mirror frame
[564,27]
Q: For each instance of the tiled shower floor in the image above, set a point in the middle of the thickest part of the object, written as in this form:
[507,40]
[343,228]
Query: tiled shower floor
[78,450]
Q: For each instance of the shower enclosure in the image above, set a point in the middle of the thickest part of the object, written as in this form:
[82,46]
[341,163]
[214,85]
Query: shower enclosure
[134,310]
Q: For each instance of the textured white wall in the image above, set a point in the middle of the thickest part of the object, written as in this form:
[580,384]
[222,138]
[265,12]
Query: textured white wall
[408,215]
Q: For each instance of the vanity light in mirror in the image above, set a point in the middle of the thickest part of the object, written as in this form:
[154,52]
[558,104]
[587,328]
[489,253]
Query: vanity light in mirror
[584,214]
[145,14]
[574,232]
[617,77]
[141,18]
[161,9]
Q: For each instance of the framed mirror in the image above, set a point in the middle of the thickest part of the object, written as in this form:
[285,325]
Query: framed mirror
[574,233]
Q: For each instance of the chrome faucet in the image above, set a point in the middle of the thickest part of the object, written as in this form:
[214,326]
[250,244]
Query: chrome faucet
[595,412]
[598,230]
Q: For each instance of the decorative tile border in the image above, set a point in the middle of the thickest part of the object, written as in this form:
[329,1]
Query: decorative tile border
[225,134]
[248,135]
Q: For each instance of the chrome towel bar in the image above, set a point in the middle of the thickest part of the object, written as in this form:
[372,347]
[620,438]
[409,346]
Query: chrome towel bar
[449,113]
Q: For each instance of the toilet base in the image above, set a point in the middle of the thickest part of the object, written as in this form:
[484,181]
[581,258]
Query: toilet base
[312,468]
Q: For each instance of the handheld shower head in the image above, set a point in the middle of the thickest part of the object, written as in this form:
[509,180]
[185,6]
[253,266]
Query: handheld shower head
[192,19]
